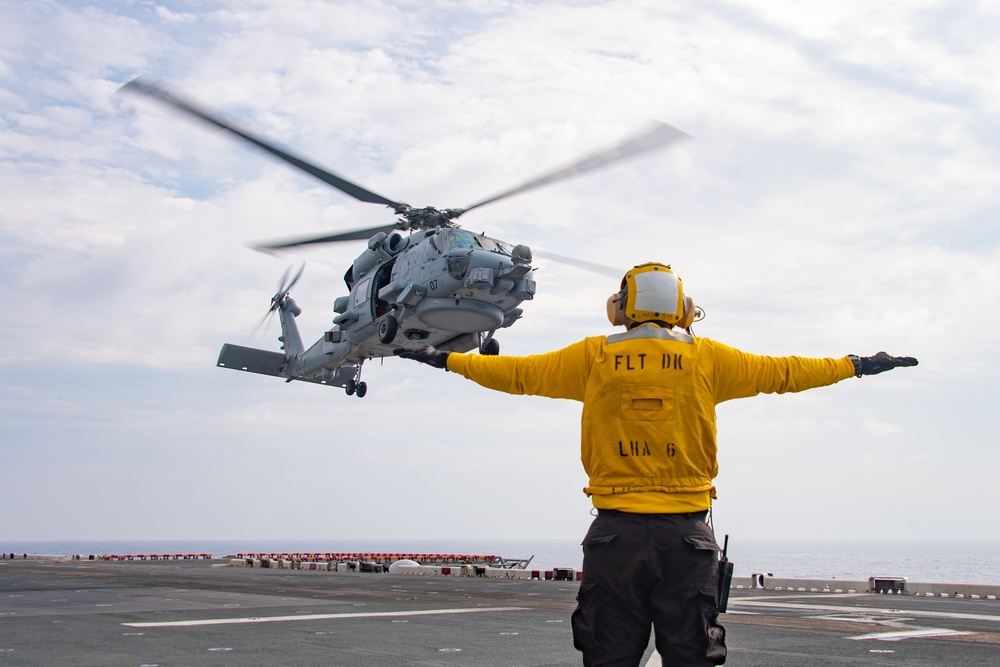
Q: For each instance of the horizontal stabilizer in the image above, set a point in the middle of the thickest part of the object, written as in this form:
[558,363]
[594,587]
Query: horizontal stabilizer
[265,362]
[251,360]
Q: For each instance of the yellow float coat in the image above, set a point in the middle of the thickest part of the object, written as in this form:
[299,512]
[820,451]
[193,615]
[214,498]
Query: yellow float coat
[648,435]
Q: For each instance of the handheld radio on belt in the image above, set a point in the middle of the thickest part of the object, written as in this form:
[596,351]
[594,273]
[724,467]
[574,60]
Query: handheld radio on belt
[725,576]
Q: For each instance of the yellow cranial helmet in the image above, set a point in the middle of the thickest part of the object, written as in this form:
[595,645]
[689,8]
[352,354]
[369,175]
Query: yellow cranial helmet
[651,292]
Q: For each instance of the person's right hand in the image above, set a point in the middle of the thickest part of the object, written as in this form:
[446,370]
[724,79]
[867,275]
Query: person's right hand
[427,354]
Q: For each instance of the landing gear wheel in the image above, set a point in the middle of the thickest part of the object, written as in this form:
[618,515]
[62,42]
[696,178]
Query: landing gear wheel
[491,348]
[362,389]
[351,387]
[387,328]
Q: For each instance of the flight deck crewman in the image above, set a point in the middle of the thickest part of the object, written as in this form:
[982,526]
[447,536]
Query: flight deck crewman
[648,445]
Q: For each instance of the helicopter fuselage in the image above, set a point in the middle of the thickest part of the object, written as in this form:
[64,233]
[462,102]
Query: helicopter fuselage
[449,288]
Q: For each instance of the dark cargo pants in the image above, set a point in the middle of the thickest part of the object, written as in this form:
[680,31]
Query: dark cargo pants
[643,571]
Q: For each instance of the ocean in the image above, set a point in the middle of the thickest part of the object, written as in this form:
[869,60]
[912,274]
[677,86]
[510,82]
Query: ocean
[920,561]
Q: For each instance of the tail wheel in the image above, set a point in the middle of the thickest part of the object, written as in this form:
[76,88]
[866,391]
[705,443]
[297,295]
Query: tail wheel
[362,389]
[491,348]
[387,329]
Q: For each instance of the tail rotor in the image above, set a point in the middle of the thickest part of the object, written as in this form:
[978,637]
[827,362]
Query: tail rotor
[278,300]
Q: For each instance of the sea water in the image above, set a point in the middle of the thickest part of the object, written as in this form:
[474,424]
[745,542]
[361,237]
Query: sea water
[923,561]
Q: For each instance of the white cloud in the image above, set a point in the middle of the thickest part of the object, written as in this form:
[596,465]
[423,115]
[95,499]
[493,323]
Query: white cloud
[880,427]
[175,17]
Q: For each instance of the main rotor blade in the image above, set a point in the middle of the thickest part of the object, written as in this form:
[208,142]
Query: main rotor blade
[149,89]
[657,136]
[580,264]
[356,235]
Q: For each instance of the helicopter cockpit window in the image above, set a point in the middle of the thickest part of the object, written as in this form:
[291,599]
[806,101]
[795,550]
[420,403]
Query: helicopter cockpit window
[494,245]
[459,238]
[503,247]
[487,243]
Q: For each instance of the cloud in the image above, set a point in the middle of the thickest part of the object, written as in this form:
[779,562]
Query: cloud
[175,17]
[881,427]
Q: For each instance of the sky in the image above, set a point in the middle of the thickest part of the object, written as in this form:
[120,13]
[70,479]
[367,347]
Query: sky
[840,194]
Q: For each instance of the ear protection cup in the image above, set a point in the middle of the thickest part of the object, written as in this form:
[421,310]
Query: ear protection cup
[689,312]
[616,309]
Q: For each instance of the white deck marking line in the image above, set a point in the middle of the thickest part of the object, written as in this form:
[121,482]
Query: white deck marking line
[316,617]
[911,634]
[654,660]
[802,596]
[869,610]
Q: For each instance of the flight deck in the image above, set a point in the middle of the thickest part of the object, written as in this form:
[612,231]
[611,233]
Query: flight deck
[206,612]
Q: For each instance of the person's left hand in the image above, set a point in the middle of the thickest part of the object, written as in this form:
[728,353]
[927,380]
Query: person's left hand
[881,362]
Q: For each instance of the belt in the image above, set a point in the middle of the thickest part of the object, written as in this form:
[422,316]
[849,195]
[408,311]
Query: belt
[691,516]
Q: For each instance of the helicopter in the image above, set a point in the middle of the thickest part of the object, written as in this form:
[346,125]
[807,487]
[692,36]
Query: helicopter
[421,280]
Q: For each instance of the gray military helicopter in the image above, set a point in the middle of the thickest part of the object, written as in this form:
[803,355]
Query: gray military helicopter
[421,280]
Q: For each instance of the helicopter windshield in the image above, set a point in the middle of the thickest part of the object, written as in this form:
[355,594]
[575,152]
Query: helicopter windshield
[502,247]
[459,238]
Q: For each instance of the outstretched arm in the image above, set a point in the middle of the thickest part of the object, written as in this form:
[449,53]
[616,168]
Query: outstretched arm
[739,374]
[558,374]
